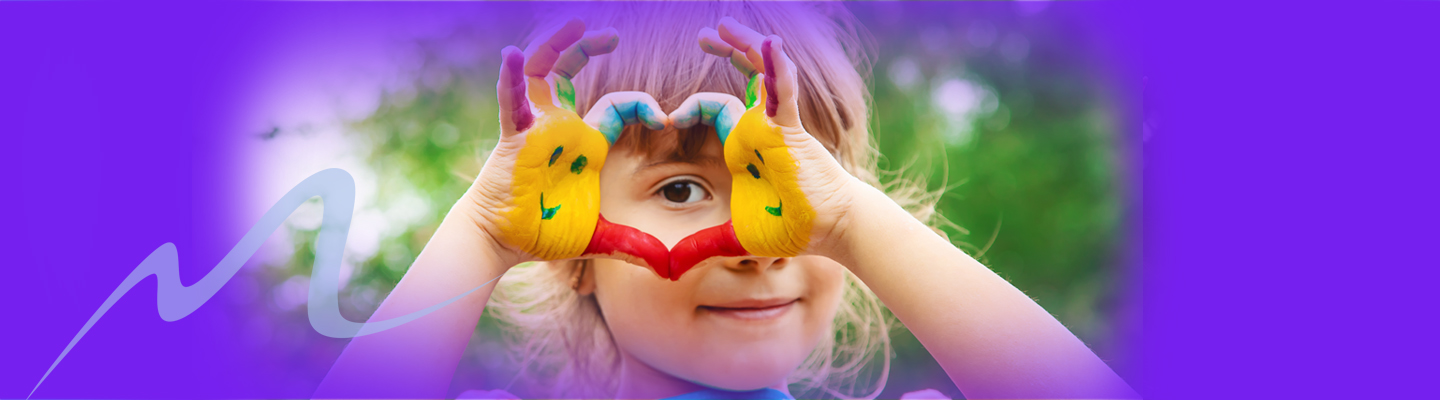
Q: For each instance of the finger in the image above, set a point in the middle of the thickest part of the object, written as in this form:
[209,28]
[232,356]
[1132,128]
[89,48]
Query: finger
[743,39]
[614,111]
[622,242]
[711,43]
[515,114]
[540,58]
[718,110]
[594,43]
[716,241]
[781,84]
[575,57]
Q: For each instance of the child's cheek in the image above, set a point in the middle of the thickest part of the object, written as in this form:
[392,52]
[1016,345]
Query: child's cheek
[826,286]
[648,316]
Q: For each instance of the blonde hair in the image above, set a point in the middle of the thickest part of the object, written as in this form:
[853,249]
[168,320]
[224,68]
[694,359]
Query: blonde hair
[559,337]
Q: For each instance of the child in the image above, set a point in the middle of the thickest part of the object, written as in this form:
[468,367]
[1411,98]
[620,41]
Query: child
[697,245]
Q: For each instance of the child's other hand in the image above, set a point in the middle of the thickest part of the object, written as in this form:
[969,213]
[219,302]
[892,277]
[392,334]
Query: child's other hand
[789,193]
[538,194]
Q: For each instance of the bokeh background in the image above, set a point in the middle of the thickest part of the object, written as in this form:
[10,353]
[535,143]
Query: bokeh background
[1013,109]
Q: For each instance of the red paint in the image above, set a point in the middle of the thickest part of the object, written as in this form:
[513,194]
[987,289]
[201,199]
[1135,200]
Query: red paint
[514,63]
[631,245]
[772,97]
[716,241]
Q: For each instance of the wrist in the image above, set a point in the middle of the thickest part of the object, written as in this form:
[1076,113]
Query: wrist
[873,221]
[473,222]
[858,200]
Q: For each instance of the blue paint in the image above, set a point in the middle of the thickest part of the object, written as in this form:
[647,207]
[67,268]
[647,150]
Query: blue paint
[719,394]
[611,125]
[556,155]
[649,116]
[547,213]
[715,114]
[629,113]
[626,111]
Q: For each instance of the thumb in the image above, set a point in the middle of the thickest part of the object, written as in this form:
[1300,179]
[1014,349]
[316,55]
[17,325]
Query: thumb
[515,113]
[781,84]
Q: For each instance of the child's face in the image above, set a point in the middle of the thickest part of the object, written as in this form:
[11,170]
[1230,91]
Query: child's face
[736,323]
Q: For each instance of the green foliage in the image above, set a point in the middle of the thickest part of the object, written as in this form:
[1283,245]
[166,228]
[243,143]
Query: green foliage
[1033,185]
[1030,163]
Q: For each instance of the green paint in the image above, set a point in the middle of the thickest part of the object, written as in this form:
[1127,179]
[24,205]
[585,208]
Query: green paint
[754,172]
[556,155]
[751,90]
[566,91]
[773,210]
[548,213]
[757,155]
[579,164]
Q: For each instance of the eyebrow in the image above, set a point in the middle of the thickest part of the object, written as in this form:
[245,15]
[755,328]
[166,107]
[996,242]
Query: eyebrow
[698,160]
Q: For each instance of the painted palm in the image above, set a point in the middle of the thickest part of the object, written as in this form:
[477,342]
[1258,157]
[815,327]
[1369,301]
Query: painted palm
[771,215]
[553,207]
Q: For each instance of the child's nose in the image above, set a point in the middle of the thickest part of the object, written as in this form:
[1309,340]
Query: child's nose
[753,263]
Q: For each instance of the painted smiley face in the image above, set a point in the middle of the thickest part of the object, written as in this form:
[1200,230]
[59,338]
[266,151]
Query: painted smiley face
[576,167]
[755,172]
[556,187]
[771,214]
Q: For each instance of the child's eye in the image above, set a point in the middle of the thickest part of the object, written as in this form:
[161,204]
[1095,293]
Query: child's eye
[683,191]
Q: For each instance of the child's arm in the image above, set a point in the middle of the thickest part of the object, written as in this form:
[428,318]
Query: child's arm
[992,340]
[418,359]
[544,173]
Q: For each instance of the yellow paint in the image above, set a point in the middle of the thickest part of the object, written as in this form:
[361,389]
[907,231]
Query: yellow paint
[567,233]
[760,232]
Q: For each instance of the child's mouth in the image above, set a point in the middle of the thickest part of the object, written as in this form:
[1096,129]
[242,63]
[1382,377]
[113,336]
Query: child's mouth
[752,312]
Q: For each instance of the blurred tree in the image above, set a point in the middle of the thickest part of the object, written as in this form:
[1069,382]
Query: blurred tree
[997,104]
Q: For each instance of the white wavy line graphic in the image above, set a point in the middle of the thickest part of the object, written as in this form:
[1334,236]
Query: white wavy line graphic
[336,189]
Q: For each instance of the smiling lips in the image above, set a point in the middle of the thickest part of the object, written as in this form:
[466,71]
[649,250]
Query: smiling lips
[752,309]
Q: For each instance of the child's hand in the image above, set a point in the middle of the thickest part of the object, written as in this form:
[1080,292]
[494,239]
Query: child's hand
[789,193]
[539,193]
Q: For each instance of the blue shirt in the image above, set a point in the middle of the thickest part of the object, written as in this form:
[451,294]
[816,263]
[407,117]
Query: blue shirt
[717,394]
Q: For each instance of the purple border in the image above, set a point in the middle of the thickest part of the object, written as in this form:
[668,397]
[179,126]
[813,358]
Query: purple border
[1289,199]
[1286,187]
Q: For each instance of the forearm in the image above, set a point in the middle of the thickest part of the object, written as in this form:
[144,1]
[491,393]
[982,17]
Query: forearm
[419,358]
[991,339]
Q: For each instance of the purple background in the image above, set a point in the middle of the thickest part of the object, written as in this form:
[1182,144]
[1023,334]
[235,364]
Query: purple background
[1287,184]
